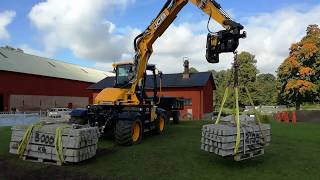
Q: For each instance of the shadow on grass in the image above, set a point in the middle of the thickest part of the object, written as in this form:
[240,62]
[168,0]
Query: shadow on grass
[101,152]
[11,170]
[229,163]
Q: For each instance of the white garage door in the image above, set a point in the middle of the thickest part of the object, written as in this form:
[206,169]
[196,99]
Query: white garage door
[35,103]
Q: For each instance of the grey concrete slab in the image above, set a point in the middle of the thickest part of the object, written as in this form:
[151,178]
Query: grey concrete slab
[221,138]
[79,142]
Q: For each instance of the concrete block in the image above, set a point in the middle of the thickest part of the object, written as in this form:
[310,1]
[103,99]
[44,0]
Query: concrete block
[221,138]
[79,142]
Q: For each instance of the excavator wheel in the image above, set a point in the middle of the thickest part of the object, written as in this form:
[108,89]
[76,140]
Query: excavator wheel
[160,123]
[128,133]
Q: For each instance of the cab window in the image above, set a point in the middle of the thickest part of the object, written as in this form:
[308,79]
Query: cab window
[123,75]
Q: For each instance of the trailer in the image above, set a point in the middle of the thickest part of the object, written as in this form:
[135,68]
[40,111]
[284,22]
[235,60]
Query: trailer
[172,105]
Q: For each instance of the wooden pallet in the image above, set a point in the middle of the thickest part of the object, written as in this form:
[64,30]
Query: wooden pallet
[249,155]
[40,160]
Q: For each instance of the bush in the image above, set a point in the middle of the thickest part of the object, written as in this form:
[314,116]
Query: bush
[266,118]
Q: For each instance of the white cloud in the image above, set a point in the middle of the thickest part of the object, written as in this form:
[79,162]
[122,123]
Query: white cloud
[6,18]
[80,25]
[271,34]
[185,40]
[269,37]
[103,66]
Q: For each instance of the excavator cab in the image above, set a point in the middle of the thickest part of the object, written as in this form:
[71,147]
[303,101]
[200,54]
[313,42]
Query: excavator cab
[125,74]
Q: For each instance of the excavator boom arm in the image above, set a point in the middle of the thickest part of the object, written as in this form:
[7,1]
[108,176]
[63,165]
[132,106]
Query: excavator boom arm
[143,42]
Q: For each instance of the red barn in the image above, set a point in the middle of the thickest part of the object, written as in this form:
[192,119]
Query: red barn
[31,83]
[196,88]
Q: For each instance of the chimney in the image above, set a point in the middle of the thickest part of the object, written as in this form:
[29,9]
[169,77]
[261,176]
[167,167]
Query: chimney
[186,72]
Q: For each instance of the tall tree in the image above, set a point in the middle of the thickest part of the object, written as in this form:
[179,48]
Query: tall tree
[193,70]
[248,73]
[220,79]
[266,89]
[299,74]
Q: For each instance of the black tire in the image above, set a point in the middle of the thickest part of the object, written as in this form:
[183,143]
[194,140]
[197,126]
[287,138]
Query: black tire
[176,117]
[124,132]
[160,123]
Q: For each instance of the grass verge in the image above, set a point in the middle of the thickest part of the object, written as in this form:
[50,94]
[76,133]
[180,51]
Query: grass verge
[293,154]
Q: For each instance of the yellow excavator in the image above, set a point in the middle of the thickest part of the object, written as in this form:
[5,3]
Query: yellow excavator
[125,110]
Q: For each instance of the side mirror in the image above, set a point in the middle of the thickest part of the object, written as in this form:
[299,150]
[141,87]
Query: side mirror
[160,74]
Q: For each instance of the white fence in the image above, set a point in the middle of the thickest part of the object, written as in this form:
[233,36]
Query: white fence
[18,118]
[266,109]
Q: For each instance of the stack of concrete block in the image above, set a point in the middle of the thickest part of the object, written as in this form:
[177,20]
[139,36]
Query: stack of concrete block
[221,138]
[79,142]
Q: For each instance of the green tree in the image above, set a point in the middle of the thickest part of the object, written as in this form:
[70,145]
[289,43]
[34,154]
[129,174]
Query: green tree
[299,74]
[248,73]
[266,89]
[193,70]
[262,87]
[220,79]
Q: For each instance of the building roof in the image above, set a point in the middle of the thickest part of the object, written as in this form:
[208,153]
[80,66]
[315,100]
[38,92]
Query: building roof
[168,81]
[15,60]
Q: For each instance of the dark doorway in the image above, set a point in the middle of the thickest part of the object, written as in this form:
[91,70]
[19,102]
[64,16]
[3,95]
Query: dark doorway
[1,103]
[70,105]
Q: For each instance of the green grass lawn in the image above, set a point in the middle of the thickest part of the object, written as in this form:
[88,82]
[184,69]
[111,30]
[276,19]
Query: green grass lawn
[310,107]
[294,154]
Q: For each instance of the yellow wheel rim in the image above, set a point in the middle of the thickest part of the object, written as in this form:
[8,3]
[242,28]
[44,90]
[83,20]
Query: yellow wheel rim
[161,123]
[136,132]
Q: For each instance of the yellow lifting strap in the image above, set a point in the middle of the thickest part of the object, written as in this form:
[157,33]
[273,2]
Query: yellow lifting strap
[225,96]
[58,144]
[257,115]
[236,110]
[236,92]
[58,141]
[237,114]
[26,138]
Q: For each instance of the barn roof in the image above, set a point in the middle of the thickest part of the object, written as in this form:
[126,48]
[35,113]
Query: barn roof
[15,60]
[168,81]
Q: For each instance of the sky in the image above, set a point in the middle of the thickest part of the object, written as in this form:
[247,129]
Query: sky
[97,33]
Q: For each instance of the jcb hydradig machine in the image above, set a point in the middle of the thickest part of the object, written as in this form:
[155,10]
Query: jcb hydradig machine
[125,110]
